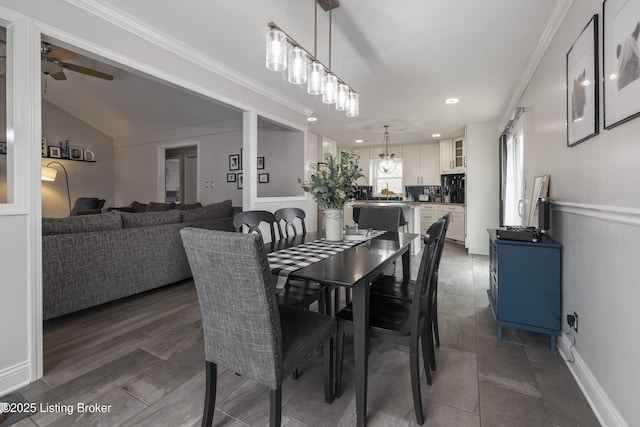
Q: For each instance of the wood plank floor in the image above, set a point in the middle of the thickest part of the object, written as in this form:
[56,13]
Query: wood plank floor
[144,356]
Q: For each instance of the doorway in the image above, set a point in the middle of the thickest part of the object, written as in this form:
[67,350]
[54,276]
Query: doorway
[181,175]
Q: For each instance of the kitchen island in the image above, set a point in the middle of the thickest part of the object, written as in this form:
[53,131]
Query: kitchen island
[411,211]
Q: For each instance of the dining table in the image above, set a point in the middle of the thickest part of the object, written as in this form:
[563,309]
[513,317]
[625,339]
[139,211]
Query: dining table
[354,268]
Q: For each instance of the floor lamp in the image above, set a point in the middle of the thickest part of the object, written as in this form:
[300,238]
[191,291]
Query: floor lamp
[49,174]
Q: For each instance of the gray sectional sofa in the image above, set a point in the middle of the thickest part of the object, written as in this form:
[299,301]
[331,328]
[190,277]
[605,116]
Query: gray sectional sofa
[92,259]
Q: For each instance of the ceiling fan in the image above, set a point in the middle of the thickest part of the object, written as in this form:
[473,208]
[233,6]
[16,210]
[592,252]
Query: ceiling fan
[53,63]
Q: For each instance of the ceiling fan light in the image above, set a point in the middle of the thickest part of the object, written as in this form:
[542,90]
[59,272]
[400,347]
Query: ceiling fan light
[276,50]
[316,77]
[297,66]
[342,98]
[330,93]
[353,105]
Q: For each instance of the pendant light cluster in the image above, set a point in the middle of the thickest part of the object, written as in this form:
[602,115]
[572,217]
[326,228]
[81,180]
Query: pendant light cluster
[305,68]
[387,163]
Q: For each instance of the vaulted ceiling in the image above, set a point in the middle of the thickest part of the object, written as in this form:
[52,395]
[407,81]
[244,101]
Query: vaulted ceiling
[404,59]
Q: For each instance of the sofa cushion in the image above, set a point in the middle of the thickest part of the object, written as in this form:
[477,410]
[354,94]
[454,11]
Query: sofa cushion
[81,224]
[145,219]
[186,207]
[160,207]
[216,210]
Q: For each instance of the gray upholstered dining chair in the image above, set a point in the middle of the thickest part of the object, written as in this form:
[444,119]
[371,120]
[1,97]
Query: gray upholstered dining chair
[402,322]
[381,218]
[245,330]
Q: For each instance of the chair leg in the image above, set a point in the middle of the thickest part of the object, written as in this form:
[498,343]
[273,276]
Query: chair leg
[275,417]
[426,357]
[327,362]
[414,362]
[339,358]
[210,394]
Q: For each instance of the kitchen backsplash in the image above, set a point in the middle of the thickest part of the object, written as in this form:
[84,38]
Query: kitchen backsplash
[414,191]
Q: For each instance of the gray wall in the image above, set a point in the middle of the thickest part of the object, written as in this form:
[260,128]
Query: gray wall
[284,162]
[595,216]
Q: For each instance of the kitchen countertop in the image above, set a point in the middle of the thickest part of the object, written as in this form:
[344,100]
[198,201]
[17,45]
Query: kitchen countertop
[399,203]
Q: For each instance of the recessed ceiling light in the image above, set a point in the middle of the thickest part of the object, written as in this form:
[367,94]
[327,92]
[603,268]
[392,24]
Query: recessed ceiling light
[436,135]
[452,101]
[312,119]
[358,141]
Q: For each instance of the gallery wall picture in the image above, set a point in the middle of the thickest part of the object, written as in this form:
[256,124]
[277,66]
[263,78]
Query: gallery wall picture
[260,162]
[234,162]
[76,153]
[240,183]
[231,177]
[621,61]
[582,85]
[263,178]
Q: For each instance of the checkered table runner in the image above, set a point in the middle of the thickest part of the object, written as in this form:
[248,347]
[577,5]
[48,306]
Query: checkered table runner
[284,261]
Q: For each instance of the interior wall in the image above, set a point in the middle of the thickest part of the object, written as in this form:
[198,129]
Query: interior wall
[482,183]
[283,152]
[596,217]
[86,179]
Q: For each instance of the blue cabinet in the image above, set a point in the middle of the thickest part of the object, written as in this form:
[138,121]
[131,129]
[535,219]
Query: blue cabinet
[525,285]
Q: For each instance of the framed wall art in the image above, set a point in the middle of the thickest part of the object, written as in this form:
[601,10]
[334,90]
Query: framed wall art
[260,162]
[582,85]
[55,152]
[234,162]
[263,178]
[231,177]
[621,52]
[76,153]
[240,182]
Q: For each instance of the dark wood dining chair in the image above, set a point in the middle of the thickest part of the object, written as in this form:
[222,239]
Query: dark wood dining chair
[396,288]
[253,219]
[245,331]
[289,217]
[400,321]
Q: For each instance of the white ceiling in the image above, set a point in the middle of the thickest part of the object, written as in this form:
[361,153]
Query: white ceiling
[404,58]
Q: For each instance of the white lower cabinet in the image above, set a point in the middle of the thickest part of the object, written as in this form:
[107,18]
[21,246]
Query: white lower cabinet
[430,213]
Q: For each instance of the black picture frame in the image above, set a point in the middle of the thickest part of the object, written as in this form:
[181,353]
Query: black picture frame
[54,152]
[231,177]
[3,147]
[240,182]
[76,153]
[234,162]
[241,154]
[620,62]
[260,162]
[263,178]
[582,86]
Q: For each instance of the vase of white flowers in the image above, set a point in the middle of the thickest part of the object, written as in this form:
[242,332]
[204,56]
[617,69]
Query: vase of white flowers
[332,183]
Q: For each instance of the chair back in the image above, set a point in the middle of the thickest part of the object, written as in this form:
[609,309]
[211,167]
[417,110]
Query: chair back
[253,219]
[424,281]
[238,304]
[289,215]
[434,281]
[387,219]
[87,205]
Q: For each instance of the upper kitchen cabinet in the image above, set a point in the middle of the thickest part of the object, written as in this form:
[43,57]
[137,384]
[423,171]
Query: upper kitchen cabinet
[420,164]
[453,155]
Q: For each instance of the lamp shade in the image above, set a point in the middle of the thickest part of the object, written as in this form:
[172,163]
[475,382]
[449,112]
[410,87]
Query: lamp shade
[342,99]
[315,78]
[297,66]
[330,89]
[276,50]
[48,174]
[353,107]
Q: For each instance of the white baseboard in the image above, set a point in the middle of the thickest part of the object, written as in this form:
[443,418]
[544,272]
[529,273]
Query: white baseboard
[14,377]
[602,406]
[482,250]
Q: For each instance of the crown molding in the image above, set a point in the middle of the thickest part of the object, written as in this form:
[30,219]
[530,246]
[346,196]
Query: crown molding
[559,12]
[141,29]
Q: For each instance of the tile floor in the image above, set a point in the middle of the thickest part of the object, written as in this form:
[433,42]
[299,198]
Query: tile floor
[144,357]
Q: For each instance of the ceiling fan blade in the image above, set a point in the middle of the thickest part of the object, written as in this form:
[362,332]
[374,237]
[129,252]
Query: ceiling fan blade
[85,70]
[60,54]
[59,75]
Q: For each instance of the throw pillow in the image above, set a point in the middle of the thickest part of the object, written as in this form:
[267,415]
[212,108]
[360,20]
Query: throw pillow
[184,207]
[216,210]
[160,207]
[145,219]
[81,224]
[139,207]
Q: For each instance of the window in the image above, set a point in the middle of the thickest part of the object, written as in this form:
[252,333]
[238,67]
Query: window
[513,176]
[382,181]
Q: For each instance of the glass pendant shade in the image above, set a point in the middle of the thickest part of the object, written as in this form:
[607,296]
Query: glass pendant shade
[387,164]
[316,78]
[330,89]
[276,50]
[353,105]
[342,98]
[297,66]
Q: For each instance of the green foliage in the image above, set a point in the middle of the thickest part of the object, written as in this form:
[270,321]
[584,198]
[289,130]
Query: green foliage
[333,183]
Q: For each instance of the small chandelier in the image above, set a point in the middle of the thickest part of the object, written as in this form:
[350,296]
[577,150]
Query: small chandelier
[387,163]
[305,68]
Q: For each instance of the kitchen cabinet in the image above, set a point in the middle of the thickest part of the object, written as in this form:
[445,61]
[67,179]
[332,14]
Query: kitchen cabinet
[453,155]
[428,215]
[525,285]
[420,165]
[456,230]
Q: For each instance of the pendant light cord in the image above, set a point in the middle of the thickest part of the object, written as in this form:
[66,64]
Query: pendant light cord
[330,14]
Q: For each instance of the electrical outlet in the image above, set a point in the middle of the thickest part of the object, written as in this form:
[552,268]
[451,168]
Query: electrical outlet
[572,321]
